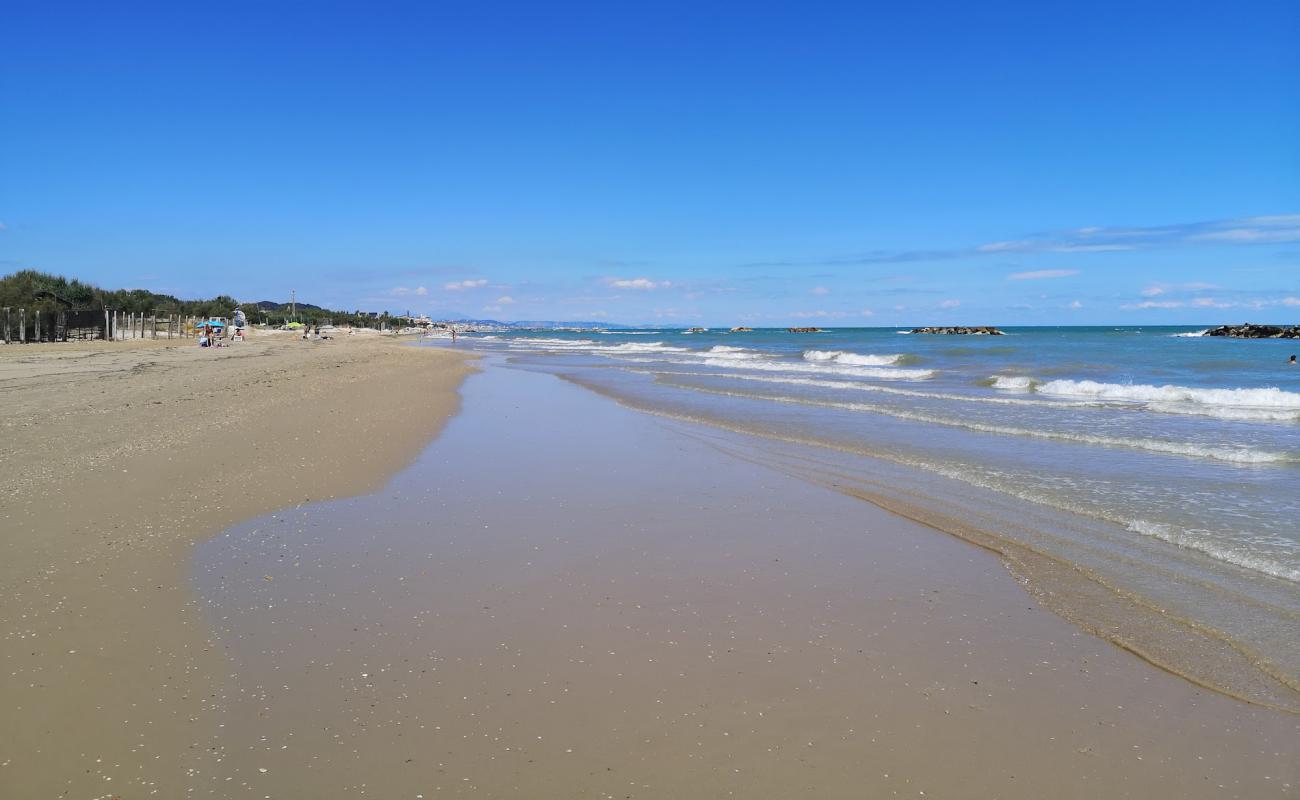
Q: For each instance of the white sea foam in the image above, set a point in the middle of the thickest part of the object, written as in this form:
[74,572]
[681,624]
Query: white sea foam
[1216,547]
[886,373]
[852,359]
[539,340]
[875,388]
[734,353]
[589,346]
[1190,335]
[1227,453]
[1271,398]
[1013,382]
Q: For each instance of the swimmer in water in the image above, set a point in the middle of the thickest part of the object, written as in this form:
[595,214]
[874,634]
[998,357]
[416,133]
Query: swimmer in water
[1291,361]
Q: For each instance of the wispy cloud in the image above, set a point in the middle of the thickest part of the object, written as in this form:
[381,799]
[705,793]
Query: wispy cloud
[819,290]
[1158,289]
[505,300]
[1239,230]
[1251,303]
[1040,274]
[638,284]
[949,304]
[1095,239]
[457,286]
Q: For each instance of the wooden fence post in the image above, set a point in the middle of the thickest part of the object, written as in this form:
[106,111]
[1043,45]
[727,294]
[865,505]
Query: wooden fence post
[22,325]
[38,326]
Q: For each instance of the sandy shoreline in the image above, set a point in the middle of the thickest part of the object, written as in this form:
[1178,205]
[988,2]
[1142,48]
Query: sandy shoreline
[559,597]
[117,458]
[562,597]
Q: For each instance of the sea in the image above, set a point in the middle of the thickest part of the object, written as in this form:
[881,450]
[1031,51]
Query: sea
[1142,481]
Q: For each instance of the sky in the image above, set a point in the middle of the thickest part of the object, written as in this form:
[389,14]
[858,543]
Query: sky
[665,163]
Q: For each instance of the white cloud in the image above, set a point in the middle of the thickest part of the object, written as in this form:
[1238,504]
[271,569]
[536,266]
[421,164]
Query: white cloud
[1291,301]
[406,291]
[456,286]
[866,312]
[639,284]
[493,309]
[505,300]
[820,290]
[1155,304]
[1039,274]
[950,304]
[819,314]
[1157,289]
[1076,304]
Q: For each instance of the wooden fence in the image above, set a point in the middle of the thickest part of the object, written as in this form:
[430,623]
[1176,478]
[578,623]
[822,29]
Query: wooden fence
[19,326]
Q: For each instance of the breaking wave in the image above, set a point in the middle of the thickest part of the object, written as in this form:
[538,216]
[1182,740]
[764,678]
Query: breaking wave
[853,359]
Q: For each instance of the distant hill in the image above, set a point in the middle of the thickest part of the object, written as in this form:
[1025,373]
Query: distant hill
[271,305]
[535,323]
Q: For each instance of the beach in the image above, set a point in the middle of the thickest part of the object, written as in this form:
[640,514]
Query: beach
[566,598]
[363,573]
[117,458]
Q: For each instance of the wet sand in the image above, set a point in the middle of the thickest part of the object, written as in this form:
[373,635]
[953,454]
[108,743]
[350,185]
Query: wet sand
[565,598]
[116,459]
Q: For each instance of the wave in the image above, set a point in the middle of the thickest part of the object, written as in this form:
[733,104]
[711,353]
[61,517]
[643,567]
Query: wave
[1014,382]
[589,346]
[736,353]
[1214,547]
[887,373]
[1230,454]
[852,359]
[1181,399]
[878,389]
[1190,334]
[530,340]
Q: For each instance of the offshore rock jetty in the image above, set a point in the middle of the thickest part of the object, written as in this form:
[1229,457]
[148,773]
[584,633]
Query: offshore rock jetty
[1249,331]
[952,330]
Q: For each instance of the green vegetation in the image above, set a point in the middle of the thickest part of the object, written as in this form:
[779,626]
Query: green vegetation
[34,290]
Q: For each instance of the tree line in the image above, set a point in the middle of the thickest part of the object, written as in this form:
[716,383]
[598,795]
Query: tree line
[34,290]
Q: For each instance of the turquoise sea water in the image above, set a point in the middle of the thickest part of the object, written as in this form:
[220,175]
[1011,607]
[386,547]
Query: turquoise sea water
[1137,452]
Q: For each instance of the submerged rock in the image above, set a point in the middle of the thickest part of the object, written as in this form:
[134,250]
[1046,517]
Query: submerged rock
[949,330]
[803,330]
[1248,331]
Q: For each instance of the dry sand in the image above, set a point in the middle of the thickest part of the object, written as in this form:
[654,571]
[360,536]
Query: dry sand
[115,458]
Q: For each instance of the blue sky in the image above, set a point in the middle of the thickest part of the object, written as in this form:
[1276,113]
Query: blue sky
[756,163]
